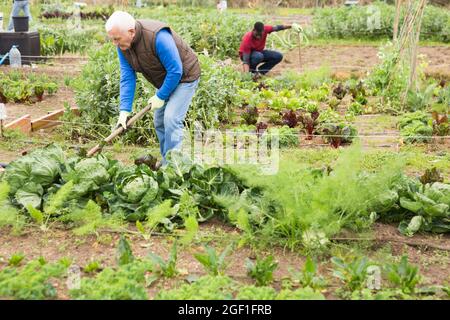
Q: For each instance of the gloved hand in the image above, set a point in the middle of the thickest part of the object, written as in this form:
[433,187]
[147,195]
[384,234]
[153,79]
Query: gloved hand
[156,102]
[123,115]
[296,27]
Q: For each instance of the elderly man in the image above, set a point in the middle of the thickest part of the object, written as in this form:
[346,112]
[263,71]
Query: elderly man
[252,52]
[166,61]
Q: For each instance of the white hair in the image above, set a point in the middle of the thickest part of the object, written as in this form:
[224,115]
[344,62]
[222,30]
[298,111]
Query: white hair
[122,20]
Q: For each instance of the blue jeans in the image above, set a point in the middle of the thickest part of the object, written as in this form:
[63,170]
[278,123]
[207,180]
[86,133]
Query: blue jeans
[19,5]
[270,59]
[169,120]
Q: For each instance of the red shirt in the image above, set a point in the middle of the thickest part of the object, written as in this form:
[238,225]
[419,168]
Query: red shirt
[249,43]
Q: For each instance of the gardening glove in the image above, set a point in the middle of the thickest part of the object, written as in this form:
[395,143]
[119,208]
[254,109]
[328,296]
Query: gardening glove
[123,115]
[296,27]
[156,102]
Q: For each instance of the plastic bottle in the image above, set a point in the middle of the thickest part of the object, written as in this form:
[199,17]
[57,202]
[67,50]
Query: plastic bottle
[15,58]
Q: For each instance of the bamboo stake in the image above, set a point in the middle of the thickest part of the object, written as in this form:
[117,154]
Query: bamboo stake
[412,78]
[299,52]
[398,4]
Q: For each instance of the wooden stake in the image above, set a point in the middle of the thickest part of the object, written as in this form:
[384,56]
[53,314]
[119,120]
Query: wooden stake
[398,4]
[412,77]
[299,52]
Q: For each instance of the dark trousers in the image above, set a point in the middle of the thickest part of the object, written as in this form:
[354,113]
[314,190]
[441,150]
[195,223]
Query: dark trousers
[269,58]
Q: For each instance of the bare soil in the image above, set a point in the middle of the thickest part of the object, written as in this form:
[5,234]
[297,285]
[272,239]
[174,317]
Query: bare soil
[56,244]
[356,59]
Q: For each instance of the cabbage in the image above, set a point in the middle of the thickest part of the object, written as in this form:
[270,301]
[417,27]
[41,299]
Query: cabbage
[41,167]
[135,184]
[30,194]
[409,229]
[87,175]
[384,201]
[137,188]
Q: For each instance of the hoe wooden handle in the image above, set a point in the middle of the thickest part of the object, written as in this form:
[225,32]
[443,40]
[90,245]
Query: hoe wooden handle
[119,130]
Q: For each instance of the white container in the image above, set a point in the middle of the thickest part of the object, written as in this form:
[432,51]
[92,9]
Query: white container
[2,111]
[15,58]
[1,21]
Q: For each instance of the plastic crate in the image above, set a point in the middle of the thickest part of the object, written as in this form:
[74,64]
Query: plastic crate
[29,44]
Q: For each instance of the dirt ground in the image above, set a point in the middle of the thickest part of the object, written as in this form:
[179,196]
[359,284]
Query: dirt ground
[57,244]
[57,71]
[358,59]
[39,109]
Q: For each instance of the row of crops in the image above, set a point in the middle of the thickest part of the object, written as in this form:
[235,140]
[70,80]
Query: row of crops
[131,278]
[88,194]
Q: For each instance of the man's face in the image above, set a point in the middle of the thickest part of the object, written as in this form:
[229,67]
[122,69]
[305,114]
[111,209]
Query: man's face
[120,38]
[257,35]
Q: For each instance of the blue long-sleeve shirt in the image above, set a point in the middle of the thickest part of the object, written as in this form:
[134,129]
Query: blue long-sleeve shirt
[167,53]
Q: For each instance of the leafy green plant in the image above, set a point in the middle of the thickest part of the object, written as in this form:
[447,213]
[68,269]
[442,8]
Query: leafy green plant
[124,253]
[215,264]
[420,99]
[204,288]
[308,276]
[55,202]
[290,119]
[256,293]
[416,127]
[166,268]
[262,270]
[9,215]
[33,281]
[16,259]
[285,137]
[335,129]
[89,220]
[355,109]
[92,267]
[441,124]
[352,274]
[352,23]
[19,87]
[338,134]
[127,282]
[39,91]
[250,115]
[404,275]
[57,41]
[310,121]
[300,294]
